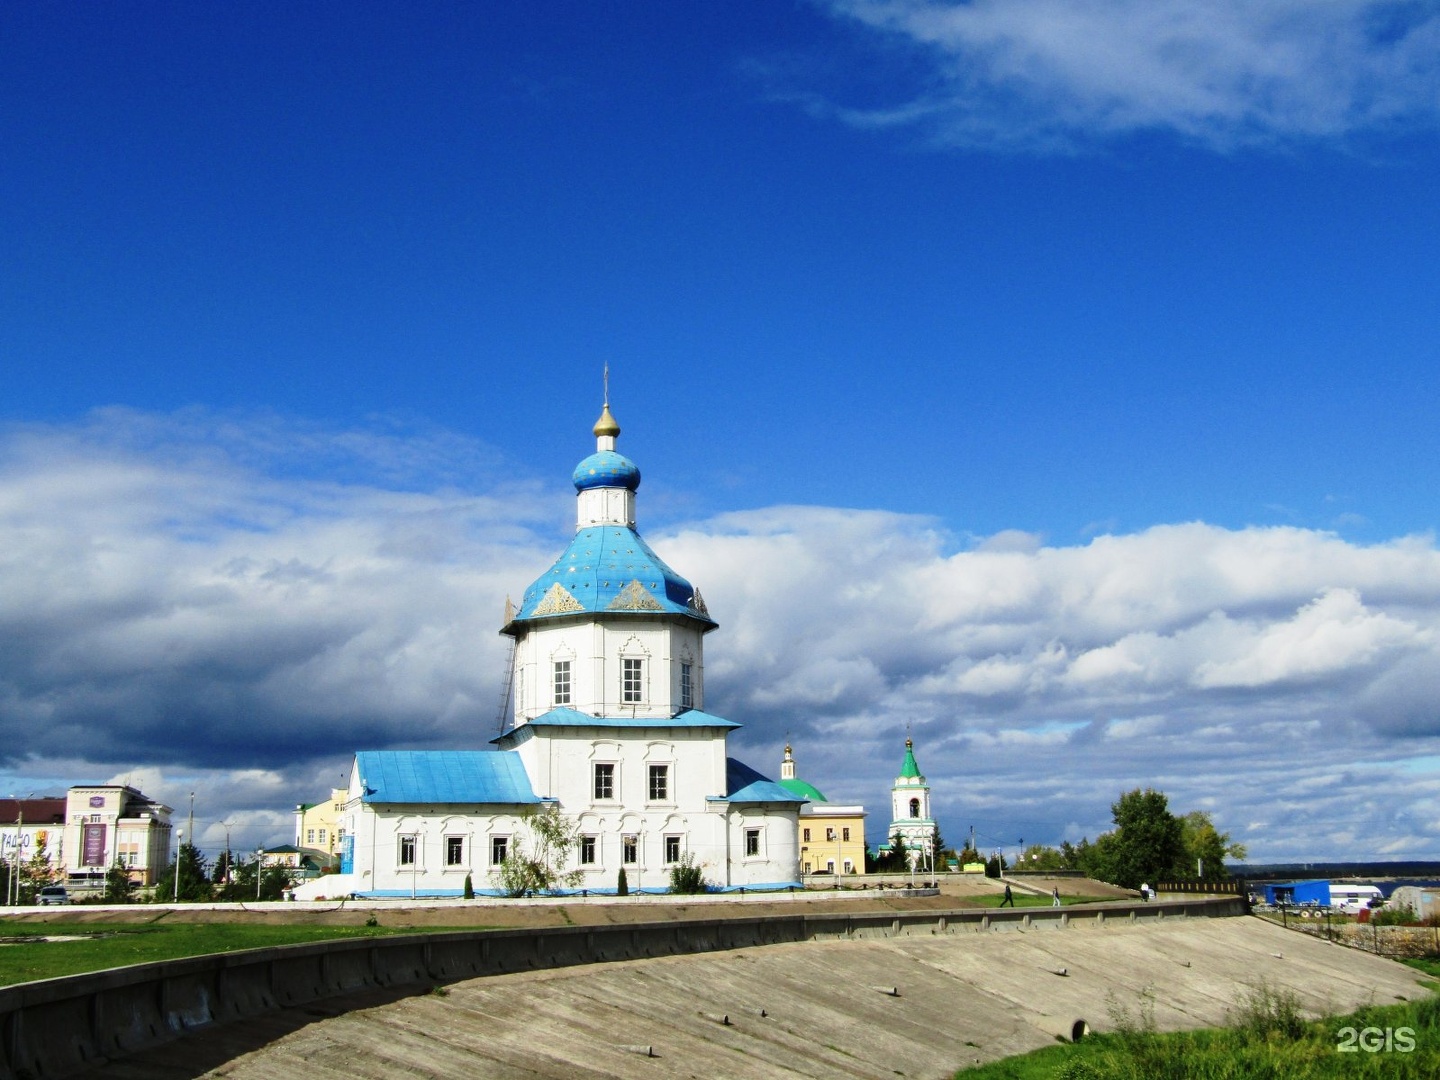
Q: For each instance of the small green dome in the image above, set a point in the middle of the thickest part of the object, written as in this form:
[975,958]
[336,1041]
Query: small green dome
[800,787]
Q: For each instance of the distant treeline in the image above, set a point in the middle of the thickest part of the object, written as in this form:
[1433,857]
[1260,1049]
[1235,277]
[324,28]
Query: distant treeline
[1424,871]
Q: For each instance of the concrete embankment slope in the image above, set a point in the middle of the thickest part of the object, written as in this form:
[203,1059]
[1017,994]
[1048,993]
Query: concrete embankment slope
[826,1007]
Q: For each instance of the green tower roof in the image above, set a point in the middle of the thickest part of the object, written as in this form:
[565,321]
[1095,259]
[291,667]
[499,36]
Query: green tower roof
[909,770]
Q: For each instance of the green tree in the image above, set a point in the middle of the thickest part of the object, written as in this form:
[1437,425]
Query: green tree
[223,869]
[469,891]
[274,881]
[894,860]
[622,886]
[1075,856]
[540,870]
[36,872]
[119,889]
[1206,848]
[686,876]
[941,851]
[240,885]
[194,882]
[1146,845]
[1039,857]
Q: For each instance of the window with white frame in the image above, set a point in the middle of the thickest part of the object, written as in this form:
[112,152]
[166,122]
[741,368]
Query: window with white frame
[672,849]
[632,680]
[687,685]
[588,851]
[604,780]
[659,783]
[830,834]
[309,836]
[407,850]
[322,836]
[499,849]
[629,849]
[752,841]
[562,682]
[454,851]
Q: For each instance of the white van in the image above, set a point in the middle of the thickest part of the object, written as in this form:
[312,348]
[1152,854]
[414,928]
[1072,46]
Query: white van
[1352,899]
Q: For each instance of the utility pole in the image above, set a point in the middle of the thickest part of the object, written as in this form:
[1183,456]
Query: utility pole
[179,849]
[228,873]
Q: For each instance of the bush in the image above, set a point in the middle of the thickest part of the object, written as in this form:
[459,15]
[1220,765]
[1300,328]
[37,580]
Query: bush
[687,878]
[622,887]
[469,888]
[1392,916]
[1264,1011]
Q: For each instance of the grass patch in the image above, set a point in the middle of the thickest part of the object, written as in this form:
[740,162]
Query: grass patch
[101,946]
[1430,965]
[1267,1039]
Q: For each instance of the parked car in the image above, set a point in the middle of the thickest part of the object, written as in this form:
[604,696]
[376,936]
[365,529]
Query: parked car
[53,894]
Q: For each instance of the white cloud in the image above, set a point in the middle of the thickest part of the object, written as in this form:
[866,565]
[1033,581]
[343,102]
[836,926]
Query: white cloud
[186,609]
[1220,72]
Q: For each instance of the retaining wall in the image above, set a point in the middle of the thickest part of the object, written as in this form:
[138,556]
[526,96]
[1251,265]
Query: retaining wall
[58,1026]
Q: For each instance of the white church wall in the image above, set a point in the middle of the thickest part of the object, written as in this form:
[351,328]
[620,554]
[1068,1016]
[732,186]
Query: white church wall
[405,850]
[763,845]
[595,652]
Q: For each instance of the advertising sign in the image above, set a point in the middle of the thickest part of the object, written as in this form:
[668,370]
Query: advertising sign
[93,845]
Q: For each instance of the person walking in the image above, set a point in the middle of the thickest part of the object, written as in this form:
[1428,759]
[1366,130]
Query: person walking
[1009,896]
[1055,897]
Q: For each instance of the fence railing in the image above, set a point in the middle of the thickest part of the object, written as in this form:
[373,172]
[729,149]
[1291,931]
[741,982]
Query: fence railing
[1228,887]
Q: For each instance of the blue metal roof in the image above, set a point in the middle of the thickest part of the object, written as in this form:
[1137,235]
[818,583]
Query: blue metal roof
[606,468]
[610,569]
[690,718]
[443,776]
[744,785]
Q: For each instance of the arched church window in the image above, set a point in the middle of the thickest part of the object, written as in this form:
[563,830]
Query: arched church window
[914,807]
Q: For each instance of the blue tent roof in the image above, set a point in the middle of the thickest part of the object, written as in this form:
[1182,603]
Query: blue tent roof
[744,785]
[443,776]
[562,717]
[610,569]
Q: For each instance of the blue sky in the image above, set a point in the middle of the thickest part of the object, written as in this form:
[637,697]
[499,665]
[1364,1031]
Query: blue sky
[1113,324]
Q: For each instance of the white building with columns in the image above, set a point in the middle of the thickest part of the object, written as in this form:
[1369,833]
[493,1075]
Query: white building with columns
[608,691]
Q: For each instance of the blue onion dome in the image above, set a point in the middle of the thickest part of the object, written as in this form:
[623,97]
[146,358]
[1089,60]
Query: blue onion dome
[606,468]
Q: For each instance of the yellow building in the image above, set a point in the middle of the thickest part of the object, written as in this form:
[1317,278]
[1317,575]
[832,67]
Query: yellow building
[317,825]
[832,837]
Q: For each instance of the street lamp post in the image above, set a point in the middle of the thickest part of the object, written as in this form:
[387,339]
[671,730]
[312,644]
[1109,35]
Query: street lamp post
[179,850]
[259,870]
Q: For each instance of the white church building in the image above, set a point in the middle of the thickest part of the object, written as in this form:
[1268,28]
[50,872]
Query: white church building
[608,691]
[912,817]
